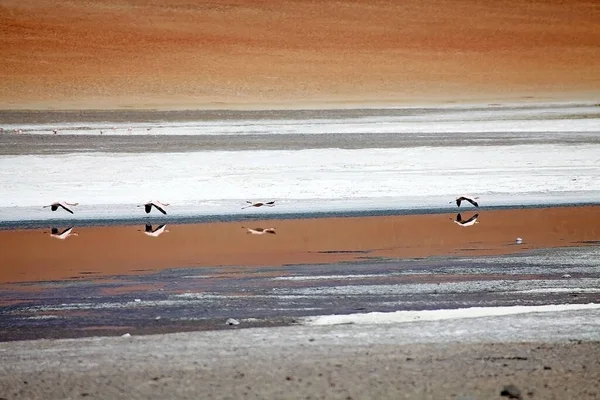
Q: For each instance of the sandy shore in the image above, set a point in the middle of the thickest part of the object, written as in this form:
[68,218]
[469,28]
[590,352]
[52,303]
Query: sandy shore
[455,359]
[269,54]
[115,250]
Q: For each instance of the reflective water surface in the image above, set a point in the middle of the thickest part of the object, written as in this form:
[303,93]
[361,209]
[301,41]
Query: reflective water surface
[147,278]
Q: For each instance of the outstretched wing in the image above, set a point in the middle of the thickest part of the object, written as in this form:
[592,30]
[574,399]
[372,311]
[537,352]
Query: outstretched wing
[159,208]
[159,228]
[66,208]
[473,202]
[67,231]
[473,218]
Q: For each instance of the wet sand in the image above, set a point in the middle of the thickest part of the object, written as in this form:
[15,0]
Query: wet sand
[269,54]
[32,255]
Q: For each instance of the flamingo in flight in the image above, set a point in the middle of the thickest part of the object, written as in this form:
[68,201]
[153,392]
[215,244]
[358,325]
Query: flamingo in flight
[259,204]
[260,231]
[156,204]
[64,234]
[155,232]
[470,199]
[63,204]
[469,222]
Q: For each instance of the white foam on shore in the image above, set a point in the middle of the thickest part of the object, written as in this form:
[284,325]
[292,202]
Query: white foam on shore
[379,318]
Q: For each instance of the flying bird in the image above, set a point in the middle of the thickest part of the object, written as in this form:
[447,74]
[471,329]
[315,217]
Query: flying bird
[156,204]
[64,234]
[155,232]
[466,198]
[260,231]
[63,204]
[468,222]
[259,204]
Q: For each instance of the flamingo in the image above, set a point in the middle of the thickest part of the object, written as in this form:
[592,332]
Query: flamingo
[157,204]
[64,234]
[470,199]
[54,206]
[259,204]
[260,231]
[155,232]
[468,222]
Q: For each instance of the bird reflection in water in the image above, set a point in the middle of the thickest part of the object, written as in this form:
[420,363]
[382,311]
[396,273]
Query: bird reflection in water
[155,232]
[55,233]
[260,231]
[466,222]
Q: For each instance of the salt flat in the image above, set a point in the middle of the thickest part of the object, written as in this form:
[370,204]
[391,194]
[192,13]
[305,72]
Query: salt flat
[220,182]
[400,158]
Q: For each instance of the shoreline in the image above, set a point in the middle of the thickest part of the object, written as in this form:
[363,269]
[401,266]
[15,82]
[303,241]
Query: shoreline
[185,219]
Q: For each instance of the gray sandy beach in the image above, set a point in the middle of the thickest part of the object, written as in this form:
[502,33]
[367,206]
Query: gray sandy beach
[544,356]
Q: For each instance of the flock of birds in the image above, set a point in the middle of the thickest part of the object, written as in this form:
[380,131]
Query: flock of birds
[148,206]
[161,207]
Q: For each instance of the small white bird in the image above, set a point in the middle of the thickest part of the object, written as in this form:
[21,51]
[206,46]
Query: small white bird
[259,204]
[260,231]
[63,204]
[468,222]
[155,232]
[156,204]
[470,199]
[64,234]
